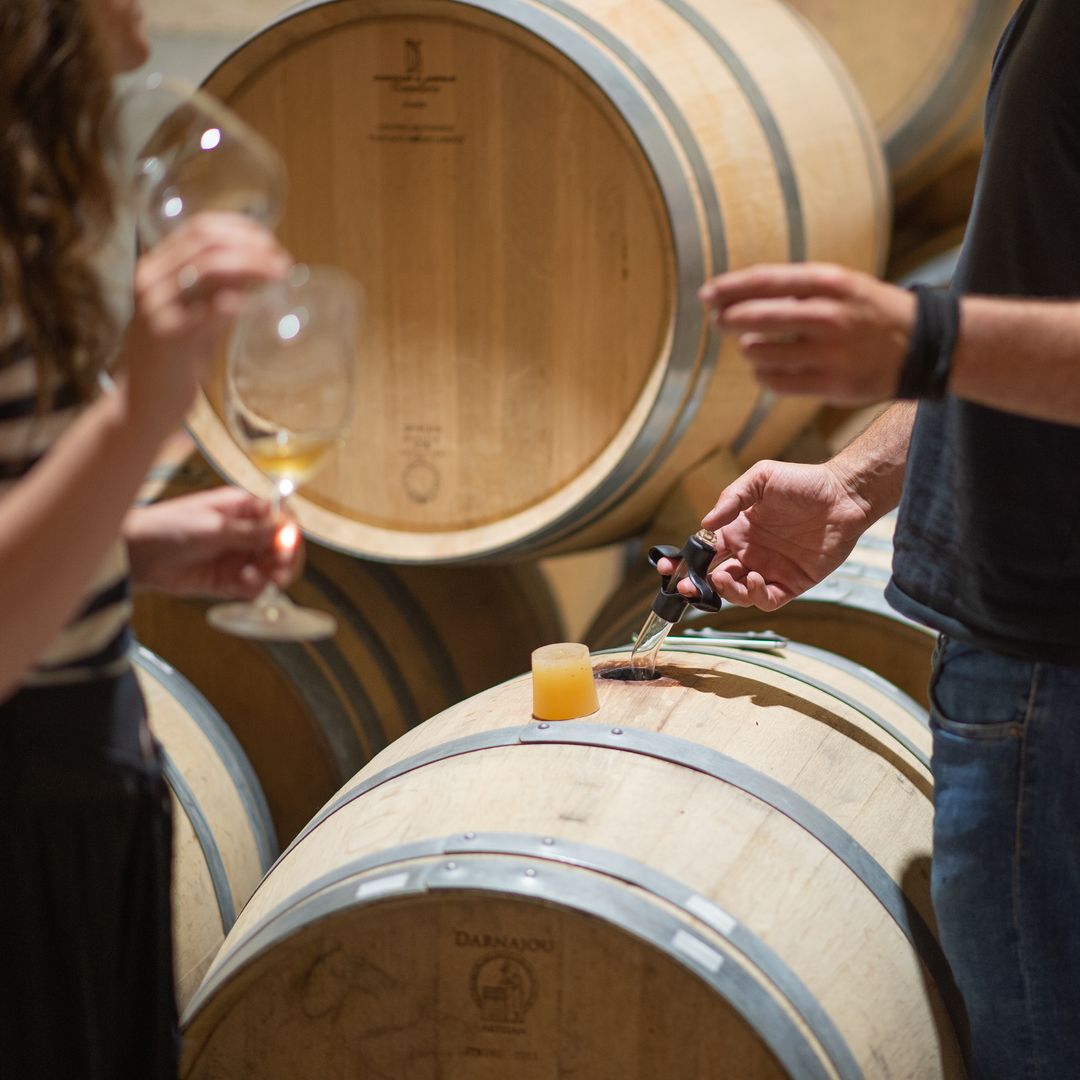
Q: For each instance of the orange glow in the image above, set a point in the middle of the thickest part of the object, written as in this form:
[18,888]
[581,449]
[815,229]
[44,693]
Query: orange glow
[288,537]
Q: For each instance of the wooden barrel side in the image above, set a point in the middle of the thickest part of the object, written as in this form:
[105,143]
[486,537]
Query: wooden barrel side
[224,839]
[598,386]
[709,862]
[923,67]
[857,625]
[410,642]
[933,225]
[934,262]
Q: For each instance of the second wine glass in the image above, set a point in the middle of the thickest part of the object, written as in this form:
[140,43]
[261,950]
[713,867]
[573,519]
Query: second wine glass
[289,379]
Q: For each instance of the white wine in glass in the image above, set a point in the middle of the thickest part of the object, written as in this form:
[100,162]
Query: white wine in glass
[289,380]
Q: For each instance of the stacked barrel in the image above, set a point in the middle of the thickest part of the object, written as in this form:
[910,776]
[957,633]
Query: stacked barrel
[719,874]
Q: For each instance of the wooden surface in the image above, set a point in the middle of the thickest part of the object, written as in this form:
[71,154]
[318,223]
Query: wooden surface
[931,262]
[388,982]
[529,268]
[222,785]
[923,67]
[933,221]
[580,581]
[410,642]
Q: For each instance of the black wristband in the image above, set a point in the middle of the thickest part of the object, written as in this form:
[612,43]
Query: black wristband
[926,367]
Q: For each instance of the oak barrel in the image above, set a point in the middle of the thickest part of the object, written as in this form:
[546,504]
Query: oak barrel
[846,614]
[223,837]
[531,195]
[933,223]
[721,875]
[410,642]
[923,67]
[933,262]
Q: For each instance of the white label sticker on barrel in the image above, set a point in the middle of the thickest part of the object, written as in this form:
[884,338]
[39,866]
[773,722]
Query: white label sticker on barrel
[698,951]
[381,886]
[715,916]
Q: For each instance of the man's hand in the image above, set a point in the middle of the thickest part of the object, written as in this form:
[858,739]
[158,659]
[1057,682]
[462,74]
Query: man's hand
[818,329]
[780,529]
[219,543]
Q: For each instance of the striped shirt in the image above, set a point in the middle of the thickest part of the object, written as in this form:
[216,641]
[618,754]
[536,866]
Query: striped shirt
[96,641]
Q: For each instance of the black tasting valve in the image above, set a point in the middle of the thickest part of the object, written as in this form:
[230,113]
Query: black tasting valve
[693,558]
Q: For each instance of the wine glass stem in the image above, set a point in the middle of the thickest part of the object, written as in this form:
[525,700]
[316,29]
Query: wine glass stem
[271,600]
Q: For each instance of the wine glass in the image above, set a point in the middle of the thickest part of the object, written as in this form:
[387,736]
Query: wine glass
[185,152]
[289,376]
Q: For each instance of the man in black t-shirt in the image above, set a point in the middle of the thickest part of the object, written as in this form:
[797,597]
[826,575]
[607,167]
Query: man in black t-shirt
[984,460]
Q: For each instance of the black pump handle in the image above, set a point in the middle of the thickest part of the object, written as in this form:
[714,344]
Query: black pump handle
[696,555]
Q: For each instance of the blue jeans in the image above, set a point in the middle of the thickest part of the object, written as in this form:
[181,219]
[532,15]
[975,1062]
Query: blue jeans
[1006,865]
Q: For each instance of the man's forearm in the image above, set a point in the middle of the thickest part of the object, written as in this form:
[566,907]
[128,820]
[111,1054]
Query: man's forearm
[1022,356]
[872,464]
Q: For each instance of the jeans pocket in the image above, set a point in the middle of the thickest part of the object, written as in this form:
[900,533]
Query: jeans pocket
[976,694]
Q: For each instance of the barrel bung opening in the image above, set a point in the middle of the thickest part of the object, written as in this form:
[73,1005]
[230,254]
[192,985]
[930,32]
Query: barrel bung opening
[629,674]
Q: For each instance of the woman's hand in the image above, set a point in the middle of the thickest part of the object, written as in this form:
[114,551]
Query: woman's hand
[188,290]
[222,542]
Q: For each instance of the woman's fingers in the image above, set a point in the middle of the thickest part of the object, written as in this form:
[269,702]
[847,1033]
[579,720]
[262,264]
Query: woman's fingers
[231,260]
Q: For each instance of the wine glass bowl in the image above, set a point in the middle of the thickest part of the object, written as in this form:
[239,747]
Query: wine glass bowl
[189,153]
[288,392]
[284,377]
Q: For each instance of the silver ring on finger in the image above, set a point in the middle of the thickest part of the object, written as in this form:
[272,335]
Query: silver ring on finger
[187,279]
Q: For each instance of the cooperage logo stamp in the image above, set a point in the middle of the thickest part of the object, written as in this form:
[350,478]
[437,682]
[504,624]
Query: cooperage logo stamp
[504,989]
[414,59]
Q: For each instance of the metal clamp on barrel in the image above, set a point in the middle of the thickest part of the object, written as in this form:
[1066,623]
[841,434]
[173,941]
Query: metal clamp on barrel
[694,558]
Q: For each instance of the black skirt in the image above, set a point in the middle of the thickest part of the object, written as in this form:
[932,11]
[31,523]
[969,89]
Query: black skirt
[86,976]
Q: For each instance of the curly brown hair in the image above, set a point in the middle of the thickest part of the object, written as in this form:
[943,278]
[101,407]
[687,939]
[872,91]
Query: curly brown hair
[56,194]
